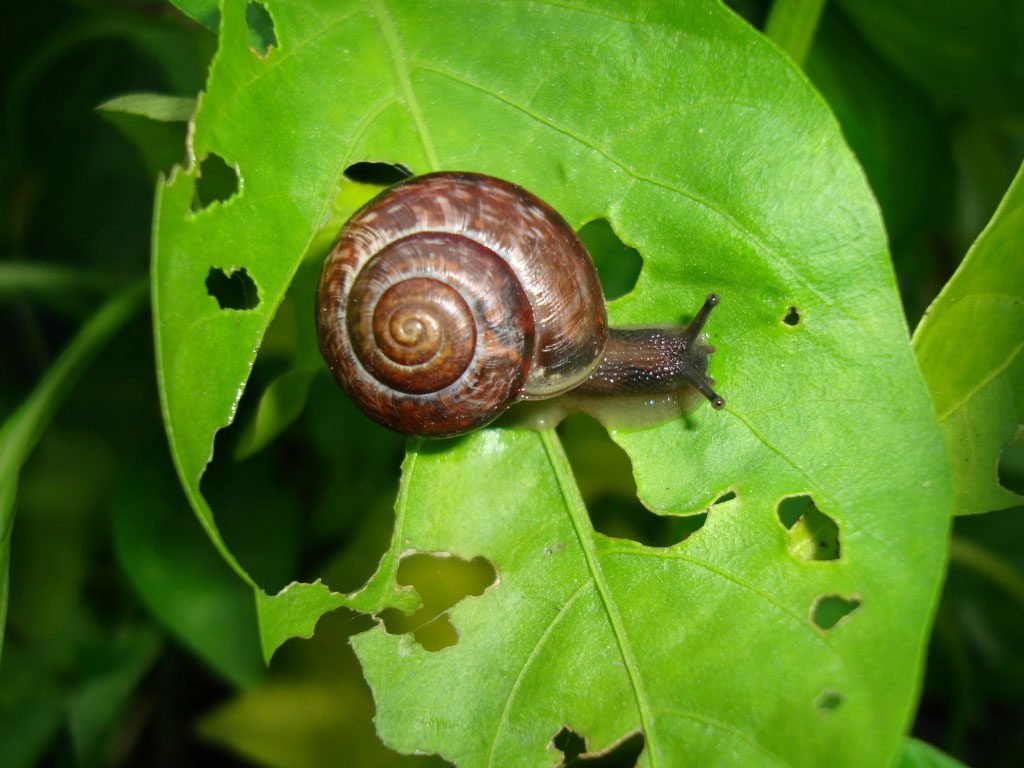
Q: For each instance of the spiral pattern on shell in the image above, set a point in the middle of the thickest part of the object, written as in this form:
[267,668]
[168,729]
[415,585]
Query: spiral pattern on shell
[452,295]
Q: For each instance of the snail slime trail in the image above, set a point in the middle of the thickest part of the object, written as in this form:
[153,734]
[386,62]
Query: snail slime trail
[451,296]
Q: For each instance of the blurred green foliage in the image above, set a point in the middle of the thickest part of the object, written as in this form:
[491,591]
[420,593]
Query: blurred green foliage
[130,642]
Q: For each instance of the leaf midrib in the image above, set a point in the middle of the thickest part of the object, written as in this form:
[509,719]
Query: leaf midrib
[581,524]
[401,72]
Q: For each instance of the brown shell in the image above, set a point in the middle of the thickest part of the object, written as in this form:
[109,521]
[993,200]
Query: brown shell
[450,296]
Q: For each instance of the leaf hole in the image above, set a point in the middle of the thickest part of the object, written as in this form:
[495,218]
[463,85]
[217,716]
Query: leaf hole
[828,701]
[216,182]
[380,174]
[260,25]
[233,290]
[622,754]
[829,610]
[617,264]
[442,582]
[792,317]
[605,477]
[813,535]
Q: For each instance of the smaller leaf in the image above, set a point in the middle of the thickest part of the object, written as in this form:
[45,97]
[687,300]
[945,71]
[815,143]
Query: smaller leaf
[206,12]
[31,708]
[155,123]
[180,576]
[968,56]
[118,667]
[311,708]
[37,279]
[899,140]
[22,430]
[918,754]
[280,405]
[791,25]
[153,106]
[969,347]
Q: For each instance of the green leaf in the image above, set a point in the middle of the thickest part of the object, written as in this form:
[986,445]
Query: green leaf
[891,127]
[708,152]
[21,431]
[180,577]
[112,675]
[31,707]
[969,347]
[792,24]
[968,56]
[206,12]
[53,280]
[899,140]
[292,336]
[58,529]
[919,754]
[154,123]
[313,707]
[158,107]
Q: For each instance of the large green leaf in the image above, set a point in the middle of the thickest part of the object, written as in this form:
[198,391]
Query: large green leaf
[969,344]
[710,154]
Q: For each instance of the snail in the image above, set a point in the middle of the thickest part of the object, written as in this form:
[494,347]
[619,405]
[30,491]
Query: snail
[451,296]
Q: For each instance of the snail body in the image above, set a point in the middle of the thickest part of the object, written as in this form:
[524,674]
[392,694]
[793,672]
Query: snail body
[453,295]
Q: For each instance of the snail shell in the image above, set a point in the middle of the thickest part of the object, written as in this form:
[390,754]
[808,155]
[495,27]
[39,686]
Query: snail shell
[452,295]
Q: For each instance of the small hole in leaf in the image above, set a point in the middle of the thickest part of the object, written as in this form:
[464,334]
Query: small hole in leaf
[236,290]
[261,29]
[623,754]
[829,610]
[216,182]
[381,174]
[618,265]
[813,535]
[828,701]
[605,477]
[792,317]
[442,582]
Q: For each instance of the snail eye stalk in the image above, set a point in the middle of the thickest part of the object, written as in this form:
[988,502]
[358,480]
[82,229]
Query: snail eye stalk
[700,382]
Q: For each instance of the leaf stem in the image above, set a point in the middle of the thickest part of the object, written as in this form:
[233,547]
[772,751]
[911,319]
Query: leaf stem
[791,25]
[989,565]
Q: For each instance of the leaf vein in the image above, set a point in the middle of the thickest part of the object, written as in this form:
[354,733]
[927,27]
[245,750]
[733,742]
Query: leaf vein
[814,486]
[534,652]
[401,70]
[735,733]
[580,521]
[984,382]
[278,59]
[771,255]
[801,620]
